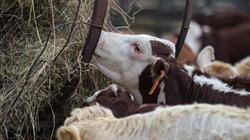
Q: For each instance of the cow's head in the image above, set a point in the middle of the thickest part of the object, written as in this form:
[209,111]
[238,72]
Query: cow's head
[120,101]
[123,58]
[109,93]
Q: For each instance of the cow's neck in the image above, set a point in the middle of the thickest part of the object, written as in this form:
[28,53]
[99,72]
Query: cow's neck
[181,89]
[145,84]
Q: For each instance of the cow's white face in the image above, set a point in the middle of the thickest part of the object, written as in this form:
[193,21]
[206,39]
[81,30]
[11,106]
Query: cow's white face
[123,57]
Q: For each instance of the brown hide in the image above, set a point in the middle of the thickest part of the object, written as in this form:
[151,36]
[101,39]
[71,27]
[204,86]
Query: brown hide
[186,55]
[120,103]
[230,44]
[222,19]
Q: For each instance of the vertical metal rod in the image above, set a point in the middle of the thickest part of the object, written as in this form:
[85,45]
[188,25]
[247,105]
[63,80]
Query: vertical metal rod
[98,17]
[94,32]
[184,27]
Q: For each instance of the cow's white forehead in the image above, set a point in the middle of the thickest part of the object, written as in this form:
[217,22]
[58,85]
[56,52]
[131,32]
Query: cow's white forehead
[140,38]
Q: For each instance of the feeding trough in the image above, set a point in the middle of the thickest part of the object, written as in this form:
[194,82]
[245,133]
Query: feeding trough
[35,65]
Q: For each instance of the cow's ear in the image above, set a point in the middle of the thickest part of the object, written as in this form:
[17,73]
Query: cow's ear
[205,57]
[159,68]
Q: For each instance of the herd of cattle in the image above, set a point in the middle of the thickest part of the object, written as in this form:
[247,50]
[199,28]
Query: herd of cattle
[202,94]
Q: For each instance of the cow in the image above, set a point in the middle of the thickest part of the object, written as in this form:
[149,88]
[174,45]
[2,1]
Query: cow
[119,101]
[196,121]
[146,67]
[230,44]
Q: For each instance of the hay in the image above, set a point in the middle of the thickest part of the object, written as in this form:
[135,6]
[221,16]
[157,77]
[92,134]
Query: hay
[26,24]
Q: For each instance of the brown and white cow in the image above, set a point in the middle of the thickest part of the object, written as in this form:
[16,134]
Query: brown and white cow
[136,62]
[119,101]
[231,44]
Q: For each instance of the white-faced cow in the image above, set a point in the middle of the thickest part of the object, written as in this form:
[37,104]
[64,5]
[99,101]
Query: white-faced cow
[140,62]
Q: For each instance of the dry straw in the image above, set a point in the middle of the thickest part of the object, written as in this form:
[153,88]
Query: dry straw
[24,27]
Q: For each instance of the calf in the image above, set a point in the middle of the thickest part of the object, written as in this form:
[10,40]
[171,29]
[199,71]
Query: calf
[230,44]
[139,62]
[206,63]
[119,101]
[198,121]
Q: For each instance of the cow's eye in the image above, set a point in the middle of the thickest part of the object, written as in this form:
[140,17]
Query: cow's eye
[138,48]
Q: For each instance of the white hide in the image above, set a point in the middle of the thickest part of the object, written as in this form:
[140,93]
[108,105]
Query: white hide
[161,99]
[213,81]
[197,121]
[218,85]
[193,37]
[116,56]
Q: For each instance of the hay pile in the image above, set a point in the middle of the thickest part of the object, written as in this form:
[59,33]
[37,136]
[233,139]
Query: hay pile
[24,27]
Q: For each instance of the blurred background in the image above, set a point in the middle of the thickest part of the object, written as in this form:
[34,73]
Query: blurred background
[161,17]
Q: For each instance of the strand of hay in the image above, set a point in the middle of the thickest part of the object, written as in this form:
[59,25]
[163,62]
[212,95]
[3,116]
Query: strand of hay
[26,24]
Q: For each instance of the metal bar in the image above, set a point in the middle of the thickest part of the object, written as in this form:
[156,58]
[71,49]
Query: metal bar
[94,32]
[184,27]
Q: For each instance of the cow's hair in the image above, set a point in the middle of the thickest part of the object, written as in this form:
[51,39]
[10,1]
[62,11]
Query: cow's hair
[243,67]
[206,63]
[119,101]
[220,69]
[237,83]
[230,44]
[87,114]
[198,121]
